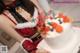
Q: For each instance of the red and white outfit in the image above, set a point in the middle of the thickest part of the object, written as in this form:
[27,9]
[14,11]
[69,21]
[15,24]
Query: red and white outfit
[27,30]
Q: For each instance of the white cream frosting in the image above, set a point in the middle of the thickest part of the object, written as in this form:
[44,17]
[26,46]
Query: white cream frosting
[53,34]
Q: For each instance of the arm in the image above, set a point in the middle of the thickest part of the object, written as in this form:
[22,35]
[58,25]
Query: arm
[9,30]
[25,43]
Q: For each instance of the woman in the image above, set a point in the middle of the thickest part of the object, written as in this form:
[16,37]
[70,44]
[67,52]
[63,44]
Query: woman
[19,19]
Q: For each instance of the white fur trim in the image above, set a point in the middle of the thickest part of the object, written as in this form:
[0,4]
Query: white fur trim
[29,24]
[35,13]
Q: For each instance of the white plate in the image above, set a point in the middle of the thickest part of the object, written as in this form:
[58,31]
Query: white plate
[71,47]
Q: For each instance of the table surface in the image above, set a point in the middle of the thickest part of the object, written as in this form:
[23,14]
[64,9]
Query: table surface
[76,46]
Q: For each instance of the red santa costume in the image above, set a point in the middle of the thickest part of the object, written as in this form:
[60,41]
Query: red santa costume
[26,29]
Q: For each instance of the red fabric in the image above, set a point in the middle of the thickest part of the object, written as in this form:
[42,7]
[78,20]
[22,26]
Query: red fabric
[29,46]
[31,31]
[27,32]
[34,51]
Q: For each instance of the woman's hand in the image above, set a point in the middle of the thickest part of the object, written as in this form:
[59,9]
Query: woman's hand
[41,13]
[42,51]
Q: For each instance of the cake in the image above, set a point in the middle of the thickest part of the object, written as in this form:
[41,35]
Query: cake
[57,26]
[59,35]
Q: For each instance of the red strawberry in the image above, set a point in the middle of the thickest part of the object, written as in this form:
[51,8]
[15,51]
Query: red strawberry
[54,24]
[59,29]
[66,19]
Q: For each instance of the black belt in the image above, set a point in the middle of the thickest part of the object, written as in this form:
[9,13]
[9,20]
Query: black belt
[36,37]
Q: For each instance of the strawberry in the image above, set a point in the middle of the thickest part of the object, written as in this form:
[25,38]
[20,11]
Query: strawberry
[66,19]
[59,29]
[54,24]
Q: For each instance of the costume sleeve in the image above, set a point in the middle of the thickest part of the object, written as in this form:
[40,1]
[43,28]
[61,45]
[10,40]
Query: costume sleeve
[28,46]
